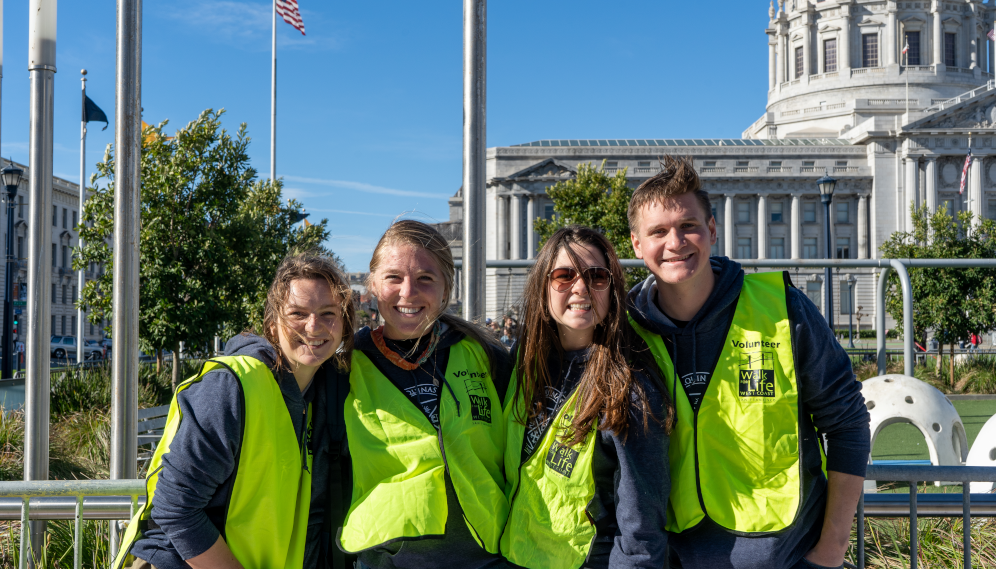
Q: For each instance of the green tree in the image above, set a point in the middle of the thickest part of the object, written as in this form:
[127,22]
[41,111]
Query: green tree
[955,302]
[212,235]
[600,201]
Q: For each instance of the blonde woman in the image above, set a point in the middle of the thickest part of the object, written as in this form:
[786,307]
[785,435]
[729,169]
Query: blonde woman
[423,418]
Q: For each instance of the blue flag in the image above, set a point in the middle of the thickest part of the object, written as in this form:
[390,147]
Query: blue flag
[92,113]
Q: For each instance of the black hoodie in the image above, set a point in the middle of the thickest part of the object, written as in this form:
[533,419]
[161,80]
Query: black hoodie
[831,399]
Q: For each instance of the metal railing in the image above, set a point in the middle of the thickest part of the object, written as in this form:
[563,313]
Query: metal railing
[76,500]
[886,266]
[914,474]
[80,500]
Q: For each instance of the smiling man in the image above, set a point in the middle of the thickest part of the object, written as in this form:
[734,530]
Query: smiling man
[757,378]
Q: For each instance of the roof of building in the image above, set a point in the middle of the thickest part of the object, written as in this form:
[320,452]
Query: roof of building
[694,142]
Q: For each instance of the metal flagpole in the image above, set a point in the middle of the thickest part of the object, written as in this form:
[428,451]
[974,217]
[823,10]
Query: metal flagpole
[127,225]
[273,100]
[37,385]
[474,148]
[80,339]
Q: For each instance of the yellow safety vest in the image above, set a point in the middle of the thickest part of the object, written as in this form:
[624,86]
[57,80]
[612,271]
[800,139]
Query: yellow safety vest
[267,520]
[548,524]
[400,460]
[738,458]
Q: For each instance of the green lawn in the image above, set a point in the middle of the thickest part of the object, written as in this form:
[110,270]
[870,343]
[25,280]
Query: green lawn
[902,441]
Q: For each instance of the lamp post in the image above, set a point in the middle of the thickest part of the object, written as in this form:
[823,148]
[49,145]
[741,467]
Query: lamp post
[11,177]
[851,279]
[826,185]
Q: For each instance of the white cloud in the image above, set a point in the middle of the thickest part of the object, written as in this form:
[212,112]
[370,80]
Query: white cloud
[366,188]
[245,24]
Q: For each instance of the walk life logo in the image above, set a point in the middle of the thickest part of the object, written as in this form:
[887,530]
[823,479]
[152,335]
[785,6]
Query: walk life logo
[562,458]
[757,374]
[480,403]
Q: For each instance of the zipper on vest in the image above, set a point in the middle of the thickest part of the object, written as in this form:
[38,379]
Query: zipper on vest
[446,464]
[695,442]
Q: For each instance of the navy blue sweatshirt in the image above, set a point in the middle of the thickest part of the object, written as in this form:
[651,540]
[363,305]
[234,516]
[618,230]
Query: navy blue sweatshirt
[831,400]
[196,481]
[632,483]
[457,548]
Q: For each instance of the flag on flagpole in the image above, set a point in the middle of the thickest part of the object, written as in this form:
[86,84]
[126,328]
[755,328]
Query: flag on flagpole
[992,34]
[289,12]
[92,113]
[906,47]
[964,171]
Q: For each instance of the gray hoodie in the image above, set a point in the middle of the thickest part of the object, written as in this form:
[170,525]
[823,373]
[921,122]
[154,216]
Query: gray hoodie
[831,399]
[198,473]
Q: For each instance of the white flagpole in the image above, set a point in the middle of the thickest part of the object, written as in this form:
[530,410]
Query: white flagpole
[273,101]
[80,338]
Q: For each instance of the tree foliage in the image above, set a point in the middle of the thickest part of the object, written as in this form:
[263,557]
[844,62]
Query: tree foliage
[595,199]
[212,235]
[954,302]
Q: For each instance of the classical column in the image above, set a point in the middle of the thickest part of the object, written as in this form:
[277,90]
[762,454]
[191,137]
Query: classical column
[975,188]
[772,61]
[930,193]
[844,40]
[807,40]
[909,193]
[728,229]
[863,226]
[938,36]
[891,34]
[515,228]
[502,227]
[530,232]
[762,226]
[781,70]
[796,232]
[973,36]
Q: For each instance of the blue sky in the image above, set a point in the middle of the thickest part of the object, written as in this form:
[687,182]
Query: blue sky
[369,102]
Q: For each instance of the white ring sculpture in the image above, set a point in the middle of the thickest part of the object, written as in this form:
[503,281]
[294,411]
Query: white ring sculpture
[897,398]
[983,453]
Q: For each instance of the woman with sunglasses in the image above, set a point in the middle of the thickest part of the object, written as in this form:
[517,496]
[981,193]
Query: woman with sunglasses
[586,459]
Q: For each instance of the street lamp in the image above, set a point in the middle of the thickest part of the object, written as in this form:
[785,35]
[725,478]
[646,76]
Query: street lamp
[826,184]
[851,279]
[11,177]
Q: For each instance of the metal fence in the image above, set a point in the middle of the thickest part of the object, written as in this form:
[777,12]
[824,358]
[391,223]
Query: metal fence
[80,500]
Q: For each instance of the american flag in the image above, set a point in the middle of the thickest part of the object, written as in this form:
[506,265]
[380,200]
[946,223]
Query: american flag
[992,34]
[964,171]
[289,12]
[906,47]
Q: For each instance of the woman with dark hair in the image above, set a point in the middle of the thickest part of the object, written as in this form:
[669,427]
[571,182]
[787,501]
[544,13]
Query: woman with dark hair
[423,418]
[586,459]
[240,477]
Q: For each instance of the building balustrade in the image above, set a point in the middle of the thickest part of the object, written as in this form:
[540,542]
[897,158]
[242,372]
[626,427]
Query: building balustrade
[846,169]
[780,170]
[747,170]
[713,170]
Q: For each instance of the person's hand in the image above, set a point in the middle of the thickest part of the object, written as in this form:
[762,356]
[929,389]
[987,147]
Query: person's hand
[826,556]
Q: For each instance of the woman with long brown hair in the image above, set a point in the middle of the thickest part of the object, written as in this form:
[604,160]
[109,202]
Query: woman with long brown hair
[423,418]
[586,459]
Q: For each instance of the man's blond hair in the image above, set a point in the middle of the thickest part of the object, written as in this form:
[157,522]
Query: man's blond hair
[677,177]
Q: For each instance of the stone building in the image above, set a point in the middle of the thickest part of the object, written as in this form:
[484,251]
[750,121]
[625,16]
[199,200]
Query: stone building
[837,103]
[65,283]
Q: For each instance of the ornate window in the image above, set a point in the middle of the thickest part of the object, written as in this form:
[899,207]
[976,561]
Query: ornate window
[843,212]
[869,50]
[776,214]
[913,53]
[830,55]
[743,214]
[798,62]
[950,49]
[810,248]
[777,248]
[815,293]
[743,248]
[809,212]
[843,247]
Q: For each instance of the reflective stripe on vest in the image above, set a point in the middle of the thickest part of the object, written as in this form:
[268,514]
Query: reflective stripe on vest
[738,459]
[400,459]
[267,521]
[548,525]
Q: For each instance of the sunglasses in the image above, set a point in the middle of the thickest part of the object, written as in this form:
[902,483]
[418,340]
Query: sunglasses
[563,278]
